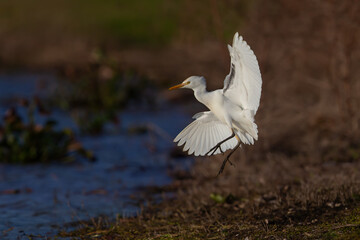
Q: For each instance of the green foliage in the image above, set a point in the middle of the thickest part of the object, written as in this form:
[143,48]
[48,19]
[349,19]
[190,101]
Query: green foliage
[221,199]
[22,142]
[126,22]
[217,198]
[95,95]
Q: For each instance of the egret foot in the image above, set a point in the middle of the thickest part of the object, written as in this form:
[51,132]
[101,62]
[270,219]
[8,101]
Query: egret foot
[227,158]
[218,146]
[223,165]
[214,149]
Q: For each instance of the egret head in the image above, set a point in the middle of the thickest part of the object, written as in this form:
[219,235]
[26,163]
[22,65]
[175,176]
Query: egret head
[191,82]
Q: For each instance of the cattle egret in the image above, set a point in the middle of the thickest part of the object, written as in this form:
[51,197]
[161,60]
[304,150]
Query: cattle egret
[230,120]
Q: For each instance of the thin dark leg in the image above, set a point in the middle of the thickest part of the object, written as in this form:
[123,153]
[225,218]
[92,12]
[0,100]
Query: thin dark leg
[217,146]
[228,156]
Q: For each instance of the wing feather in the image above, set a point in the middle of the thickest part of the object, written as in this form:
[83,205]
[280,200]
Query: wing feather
[199,141]
[203,134]
[217,135]
[187,137]
[242,85]
[193,140]
[205,141]
[212,137]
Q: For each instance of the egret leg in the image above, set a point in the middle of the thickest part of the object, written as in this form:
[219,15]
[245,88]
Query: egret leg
[218,146]
[228,156]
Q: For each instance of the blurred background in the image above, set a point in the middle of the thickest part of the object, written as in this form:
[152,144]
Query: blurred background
[85,80]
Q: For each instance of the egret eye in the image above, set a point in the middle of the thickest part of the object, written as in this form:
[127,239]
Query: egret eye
[186,82]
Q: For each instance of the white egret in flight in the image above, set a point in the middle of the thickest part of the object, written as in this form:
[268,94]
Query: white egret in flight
[230,120]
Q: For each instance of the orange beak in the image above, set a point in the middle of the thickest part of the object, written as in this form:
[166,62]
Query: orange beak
[179,85]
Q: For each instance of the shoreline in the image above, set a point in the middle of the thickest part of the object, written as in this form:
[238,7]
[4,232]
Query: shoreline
[195,214]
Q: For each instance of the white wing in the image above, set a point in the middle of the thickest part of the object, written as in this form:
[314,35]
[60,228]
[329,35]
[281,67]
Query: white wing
[242,85]
[204,133]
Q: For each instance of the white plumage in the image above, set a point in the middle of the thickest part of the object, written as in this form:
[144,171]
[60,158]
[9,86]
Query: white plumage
[246,87]
[232,109]
[203,134]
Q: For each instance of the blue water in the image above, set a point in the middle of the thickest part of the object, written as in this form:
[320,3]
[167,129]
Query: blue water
[40,199]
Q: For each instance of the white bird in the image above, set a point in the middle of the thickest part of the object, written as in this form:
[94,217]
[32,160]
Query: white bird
[230,120]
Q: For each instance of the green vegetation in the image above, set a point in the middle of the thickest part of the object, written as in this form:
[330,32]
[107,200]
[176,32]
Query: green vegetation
[96,94]
[142,21]
[63,33]
[28,142]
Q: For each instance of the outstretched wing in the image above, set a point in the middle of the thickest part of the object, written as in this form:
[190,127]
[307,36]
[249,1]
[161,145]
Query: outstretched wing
[242,85]
[204,133]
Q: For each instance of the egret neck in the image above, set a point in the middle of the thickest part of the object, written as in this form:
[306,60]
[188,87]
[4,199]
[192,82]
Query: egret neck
[201,94]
